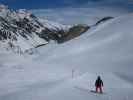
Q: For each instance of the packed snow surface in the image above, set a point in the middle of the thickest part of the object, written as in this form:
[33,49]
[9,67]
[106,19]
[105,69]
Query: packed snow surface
[104,50]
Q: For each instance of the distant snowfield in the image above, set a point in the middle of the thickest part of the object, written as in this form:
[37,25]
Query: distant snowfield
[104,50]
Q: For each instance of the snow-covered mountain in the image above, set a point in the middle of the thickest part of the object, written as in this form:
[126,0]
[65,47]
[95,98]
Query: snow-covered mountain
[21,30]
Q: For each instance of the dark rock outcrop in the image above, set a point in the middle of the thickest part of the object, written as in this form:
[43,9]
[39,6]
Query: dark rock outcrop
[73,32]
[103,20]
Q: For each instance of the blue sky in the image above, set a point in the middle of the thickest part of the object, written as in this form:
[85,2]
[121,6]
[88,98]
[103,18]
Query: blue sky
[40,4]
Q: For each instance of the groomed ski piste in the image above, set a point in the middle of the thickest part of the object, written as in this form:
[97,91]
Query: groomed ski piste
[105,50]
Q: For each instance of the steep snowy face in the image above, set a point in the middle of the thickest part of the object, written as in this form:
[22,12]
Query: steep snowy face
[16,28]
[24,30]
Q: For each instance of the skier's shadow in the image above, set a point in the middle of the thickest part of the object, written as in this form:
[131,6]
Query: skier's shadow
[93,91]
[86,90]
[82,89]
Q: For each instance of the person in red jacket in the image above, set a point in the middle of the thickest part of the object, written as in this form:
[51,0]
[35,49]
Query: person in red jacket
[99,84]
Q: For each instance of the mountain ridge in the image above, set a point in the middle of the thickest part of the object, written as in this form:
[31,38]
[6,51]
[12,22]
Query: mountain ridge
[22,30]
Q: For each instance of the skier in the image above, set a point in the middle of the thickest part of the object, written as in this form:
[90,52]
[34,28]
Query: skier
[99,84]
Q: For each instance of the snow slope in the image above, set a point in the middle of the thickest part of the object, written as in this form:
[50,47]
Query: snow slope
[104,50]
